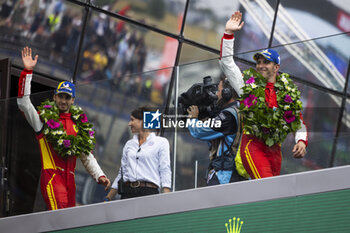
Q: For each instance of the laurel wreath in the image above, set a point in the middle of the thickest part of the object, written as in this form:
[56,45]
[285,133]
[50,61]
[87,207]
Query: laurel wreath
[271,125]
[67,145]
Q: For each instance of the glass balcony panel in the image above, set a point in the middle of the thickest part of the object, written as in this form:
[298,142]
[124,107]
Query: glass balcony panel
[162,14]
[320,114]
[190,54]
[303,21]
[313,62]
[114,54]
[51,28]
[109,108]
[206,20]
[343,145]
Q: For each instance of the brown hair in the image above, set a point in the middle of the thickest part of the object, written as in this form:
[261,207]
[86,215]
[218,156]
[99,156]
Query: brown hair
[138,112]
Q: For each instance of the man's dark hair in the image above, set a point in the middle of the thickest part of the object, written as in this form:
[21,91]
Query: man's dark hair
[226,84]
[138,112]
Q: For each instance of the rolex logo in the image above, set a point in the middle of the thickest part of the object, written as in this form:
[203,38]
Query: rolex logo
[234,226]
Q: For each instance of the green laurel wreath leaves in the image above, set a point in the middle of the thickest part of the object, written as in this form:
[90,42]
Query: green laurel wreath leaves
[67,145]
[269,124]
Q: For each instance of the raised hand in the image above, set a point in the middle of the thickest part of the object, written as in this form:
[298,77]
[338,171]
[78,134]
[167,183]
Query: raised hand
[27,59]
[235,23]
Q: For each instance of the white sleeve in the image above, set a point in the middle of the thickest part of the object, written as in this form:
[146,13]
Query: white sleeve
[116,180]
[164,164]
[91,165]
[24,103]
[229,67]
[301,134]
[122,166]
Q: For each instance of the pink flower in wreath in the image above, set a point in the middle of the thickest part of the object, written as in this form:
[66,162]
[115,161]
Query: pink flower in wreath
[91,133]
[53,124]
[250,100]
[250,80]
[288,116]
[47,106]
[84,118]
[66,143]
[288,99]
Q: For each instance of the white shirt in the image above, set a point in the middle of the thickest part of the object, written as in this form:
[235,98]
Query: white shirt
[149,162]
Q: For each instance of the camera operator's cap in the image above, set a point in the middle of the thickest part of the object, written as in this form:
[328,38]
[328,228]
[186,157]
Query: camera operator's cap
[66,87]
[270,55]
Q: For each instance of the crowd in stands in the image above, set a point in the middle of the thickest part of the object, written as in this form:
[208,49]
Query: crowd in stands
[111,50]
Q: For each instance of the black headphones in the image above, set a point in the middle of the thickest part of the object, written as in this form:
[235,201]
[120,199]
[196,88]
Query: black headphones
[226,92]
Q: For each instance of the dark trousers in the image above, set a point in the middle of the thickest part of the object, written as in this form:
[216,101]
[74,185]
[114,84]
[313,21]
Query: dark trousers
[130,192]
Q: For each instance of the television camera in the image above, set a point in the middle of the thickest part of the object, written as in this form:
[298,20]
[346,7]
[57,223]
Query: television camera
[201,94]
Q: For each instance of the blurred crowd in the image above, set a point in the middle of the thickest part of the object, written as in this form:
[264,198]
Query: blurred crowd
[112,50]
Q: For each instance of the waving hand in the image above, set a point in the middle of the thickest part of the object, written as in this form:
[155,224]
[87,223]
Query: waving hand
[28,62]
[235,23]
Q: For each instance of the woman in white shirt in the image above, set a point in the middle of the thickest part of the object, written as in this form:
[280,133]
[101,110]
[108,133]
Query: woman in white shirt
[145,164]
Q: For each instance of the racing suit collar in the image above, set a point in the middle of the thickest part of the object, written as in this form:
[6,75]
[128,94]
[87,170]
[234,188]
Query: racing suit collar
[65,115]
[270,85]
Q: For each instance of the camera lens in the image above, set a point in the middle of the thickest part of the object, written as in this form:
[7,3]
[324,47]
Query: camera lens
[207,80]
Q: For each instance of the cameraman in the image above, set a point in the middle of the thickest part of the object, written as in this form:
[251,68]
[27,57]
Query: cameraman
[221,140]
